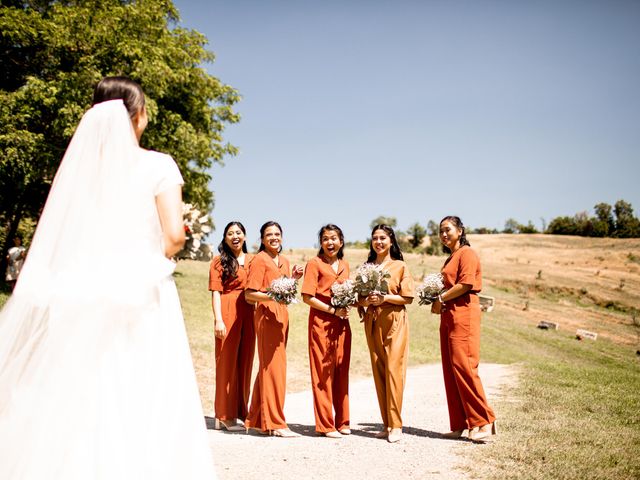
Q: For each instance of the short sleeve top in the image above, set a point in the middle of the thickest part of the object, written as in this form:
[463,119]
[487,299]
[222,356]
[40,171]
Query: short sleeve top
[463,266]
[162,170]
[263,271]
[154,173]
[401,282]
[238,282]
[319,277]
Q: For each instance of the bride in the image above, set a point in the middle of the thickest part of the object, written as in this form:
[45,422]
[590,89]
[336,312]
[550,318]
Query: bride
[96,378]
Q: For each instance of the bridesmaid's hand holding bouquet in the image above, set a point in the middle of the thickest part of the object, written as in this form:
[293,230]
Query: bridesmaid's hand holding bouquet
[431,287]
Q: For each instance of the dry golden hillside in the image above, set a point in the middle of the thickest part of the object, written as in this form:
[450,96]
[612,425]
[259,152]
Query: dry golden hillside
[590,283]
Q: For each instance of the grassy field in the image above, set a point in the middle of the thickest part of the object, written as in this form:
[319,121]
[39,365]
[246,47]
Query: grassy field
[574,411]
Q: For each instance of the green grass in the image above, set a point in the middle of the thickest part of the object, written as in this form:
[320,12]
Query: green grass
[574,412]
[4,296]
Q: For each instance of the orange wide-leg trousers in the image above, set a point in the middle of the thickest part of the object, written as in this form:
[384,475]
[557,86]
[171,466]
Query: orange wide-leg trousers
[460,347]
[329,358]
[267,400]
[387,332]
[234,358]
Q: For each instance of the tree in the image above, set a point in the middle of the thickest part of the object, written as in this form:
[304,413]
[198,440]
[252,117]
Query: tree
[627,225]
[511,226]
[416,233]
[382,220]
[563,226]
[603,225]
[528,228]
[434,247]
[483,230]
[52,53]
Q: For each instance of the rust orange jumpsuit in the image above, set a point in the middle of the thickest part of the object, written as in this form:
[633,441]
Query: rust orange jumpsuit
[387,331]
[234,353]
[271,322]
[460,343]
[329,348]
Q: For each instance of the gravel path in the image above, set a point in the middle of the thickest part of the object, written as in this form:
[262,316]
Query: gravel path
[420,454]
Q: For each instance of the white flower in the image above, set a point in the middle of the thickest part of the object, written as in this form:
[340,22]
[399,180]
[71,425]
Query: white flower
[343,294]
[431,287]
[371,278]
[283,290]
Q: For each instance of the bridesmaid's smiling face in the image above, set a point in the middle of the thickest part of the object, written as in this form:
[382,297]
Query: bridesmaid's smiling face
[331,244]
[449,234]
[234,238]
[381,242]
[272,239]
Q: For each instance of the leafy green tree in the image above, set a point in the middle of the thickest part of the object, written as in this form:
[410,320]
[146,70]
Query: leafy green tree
[416,233]
[52,53]
[563,226]
[603,224]
[434,247]
[511,226]
[382,220]
[627,225]
[528,228]
[484,230]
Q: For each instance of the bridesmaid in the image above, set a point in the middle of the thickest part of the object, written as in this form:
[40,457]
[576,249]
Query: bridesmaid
[329,335]
[235,336]
[459,309]
[387,329]
[271,320]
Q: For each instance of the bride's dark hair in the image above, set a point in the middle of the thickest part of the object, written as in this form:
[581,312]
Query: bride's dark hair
[113,88]
[228,260]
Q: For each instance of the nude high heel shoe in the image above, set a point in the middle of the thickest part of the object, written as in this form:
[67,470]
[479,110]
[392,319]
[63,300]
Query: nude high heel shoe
[227,425]
[483,433]
[395,435]
[284,433]
[453,435]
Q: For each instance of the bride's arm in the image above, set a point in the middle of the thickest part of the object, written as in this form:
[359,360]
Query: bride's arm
[169,205]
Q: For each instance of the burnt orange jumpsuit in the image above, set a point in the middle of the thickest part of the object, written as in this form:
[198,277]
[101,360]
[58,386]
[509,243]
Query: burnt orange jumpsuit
[329,348]
[460,343]
[234,353]
[387,331]
[271,322]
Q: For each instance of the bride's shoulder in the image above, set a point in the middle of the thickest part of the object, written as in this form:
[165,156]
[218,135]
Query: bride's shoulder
[160,168]
[154,155]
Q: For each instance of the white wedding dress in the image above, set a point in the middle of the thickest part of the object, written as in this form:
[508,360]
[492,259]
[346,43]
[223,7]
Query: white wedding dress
[96,377]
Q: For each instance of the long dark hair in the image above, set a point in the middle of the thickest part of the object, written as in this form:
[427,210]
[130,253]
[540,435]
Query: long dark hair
[263,228]
[113,88]
[459,225]
[228,260]
[394,252]
[330,227]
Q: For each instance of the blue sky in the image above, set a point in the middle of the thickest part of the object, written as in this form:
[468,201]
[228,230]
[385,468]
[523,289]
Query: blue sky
[420,109]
